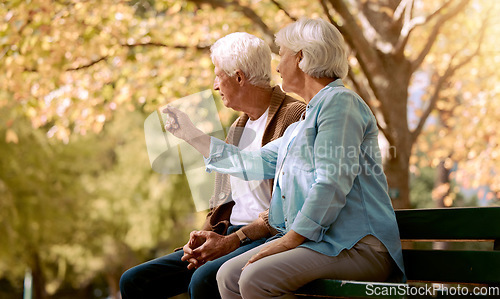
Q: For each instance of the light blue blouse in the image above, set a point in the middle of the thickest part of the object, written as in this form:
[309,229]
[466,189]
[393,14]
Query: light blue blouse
[332,188]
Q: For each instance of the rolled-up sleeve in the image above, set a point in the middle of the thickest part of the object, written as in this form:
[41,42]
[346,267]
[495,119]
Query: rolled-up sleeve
[216,150]
[308,228]
[248,165]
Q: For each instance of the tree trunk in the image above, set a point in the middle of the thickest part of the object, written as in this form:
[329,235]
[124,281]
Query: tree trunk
[114,285]
[399,184]
[38,278]
[441,185]
[395,110]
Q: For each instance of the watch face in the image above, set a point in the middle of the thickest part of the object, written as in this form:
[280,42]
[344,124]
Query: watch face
[245,241]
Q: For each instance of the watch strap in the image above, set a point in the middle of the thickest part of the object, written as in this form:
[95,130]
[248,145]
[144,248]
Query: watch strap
[243,238]
[241,235]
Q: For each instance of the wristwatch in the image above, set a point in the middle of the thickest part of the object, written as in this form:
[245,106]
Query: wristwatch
[243,238]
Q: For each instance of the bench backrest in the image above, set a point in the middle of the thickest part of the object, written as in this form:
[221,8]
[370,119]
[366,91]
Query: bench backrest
[452,224]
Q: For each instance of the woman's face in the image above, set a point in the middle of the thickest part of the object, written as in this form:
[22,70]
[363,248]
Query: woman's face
[289,70]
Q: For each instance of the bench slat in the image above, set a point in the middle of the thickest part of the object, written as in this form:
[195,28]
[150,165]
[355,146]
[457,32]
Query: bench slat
[449,223]
[452,266]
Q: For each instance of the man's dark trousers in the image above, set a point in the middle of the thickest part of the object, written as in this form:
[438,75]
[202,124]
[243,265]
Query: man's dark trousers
[168,276]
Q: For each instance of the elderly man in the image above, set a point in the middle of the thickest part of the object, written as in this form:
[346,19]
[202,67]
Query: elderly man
[237,221]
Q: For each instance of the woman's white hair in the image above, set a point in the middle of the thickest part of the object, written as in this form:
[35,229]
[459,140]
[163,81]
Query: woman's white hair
[250,54]
[322,46]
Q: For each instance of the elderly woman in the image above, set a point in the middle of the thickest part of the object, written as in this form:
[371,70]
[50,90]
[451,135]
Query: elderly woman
[330,201]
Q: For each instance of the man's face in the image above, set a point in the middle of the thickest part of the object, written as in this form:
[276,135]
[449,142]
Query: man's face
[229,88]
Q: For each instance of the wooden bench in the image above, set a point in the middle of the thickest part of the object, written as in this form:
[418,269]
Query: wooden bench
[471,257]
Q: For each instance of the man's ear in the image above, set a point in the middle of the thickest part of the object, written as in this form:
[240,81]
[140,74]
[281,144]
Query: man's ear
[240,77]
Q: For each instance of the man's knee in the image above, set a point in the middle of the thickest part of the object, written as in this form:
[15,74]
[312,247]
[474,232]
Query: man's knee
[127,282]
[203,278]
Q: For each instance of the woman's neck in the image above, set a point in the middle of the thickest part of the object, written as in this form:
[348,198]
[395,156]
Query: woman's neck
[313,85]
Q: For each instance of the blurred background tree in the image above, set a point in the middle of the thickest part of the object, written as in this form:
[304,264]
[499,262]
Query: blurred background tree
[79,202]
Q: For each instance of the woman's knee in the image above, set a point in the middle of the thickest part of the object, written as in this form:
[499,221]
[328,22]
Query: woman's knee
[222,274]
[228,275]
[254,282]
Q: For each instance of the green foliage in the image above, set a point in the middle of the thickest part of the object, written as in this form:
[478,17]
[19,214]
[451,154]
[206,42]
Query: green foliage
[422,186]
[90,207]
[421,189]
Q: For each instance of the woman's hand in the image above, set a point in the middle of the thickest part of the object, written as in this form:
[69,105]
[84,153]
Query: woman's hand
[289,241]
[179,124]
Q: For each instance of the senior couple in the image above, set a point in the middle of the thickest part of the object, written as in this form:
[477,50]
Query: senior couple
[284,212]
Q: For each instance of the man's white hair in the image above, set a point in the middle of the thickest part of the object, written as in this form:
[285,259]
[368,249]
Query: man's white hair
[250,54]
[322,46]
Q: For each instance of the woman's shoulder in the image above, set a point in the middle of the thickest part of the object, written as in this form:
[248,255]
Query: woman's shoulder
[344,96]
[345,101]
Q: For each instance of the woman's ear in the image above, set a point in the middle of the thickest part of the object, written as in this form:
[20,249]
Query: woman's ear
[299,56]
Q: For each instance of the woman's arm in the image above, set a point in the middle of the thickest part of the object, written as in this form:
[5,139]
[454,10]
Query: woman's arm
[289,241]
[247,165]
[223,157]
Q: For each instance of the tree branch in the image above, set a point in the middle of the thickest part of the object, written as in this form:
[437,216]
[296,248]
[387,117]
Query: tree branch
[81,67]
[280,7]
[247,12]
[360,88]
[346,36]
[366,54]
[355,34]
[410,24]
[149,44]
[156,44]
[327,13]
[448,73]
[435,32]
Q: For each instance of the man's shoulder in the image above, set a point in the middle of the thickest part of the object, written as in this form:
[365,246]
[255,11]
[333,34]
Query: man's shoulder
[293,102]
[293,105]
[285,100]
